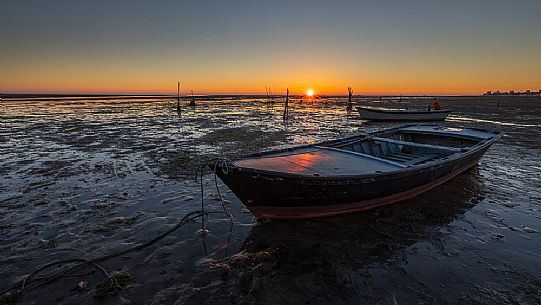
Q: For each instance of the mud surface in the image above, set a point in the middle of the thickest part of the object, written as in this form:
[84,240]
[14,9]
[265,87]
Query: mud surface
[84,178]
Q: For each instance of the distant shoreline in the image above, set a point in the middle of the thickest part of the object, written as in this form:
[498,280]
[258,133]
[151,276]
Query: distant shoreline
[33,97]
[38,97]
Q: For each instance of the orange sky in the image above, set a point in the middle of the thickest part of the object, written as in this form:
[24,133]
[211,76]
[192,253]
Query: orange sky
[324,80]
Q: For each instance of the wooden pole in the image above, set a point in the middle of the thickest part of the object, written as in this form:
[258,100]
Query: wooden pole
[192,101]
[286,106]
[350,103]
[178,96]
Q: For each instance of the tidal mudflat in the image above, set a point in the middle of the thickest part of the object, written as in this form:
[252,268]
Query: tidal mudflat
[83,178]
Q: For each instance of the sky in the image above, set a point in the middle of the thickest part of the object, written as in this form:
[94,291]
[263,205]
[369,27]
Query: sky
[239,47]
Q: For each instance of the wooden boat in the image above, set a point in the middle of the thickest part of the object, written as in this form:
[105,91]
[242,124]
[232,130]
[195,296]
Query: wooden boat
[354,173]
[402,115]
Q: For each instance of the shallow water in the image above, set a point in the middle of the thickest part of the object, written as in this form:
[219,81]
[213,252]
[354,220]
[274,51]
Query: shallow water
[84,178]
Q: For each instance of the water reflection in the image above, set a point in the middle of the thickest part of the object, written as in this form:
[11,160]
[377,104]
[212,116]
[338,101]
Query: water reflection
[334,254]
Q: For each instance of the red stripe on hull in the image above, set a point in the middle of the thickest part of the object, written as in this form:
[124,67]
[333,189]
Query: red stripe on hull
[333,210]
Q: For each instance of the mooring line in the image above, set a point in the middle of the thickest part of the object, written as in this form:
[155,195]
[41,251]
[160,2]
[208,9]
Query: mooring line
[25,284]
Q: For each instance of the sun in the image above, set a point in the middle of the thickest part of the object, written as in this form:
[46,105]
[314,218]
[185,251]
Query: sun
[310,96]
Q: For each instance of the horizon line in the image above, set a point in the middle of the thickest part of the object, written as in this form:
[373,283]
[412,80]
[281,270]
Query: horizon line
[105,94]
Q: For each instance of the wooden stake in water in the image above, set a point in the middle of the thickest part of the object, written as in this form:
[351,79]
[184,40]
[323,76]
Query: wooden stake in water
[178,96]
[192,101]
[286,106]
[350,103]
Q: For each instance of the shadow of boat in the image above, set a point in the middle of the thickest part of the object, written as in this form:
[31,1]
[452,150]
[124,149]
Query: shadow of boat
[329,257]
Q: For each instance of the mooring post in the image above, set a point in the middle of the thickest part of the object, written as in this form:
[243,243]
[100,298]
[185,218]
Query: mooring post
[350,103]
[178,96]
[286,106]
[192,101]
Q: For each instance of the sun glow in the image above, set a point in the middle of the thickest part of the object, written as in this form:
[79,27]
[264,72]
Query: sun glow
[310,92]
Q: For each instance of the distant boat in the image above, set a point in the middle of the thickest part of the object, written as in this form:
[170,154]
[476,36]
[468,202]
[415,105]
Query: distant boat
[402,115]
[354,173]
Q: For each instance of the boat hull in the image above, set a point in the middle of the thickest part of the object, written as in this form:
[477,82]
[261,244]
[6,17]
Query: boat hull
[288,197]
[402,115]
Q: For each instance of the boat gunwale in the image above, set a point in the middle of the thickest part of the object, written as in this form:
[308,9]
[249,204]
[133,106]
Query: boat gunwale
[404,111]
[483,143]
[364,136]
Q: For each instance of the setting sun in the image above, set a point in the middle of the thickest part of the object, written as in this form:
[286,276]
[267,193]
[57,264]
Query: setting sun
[310,92]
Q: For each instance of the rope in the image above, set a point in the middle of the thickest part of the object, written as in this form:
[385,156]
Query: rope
[229,215]
[203,226]
[225,169]
[115,282]
[5,295]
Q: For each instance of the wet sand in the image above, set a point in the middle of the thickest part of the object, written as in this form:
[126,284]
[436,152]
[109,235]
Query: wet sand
[83,178]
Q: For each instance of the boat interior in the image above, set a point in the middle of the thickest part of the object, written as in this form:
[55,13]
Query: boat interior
[384,152]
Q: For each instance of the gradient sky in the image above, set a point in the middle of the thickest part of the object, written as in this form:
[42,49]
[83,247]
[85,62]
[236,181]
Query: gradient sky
[377,47]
